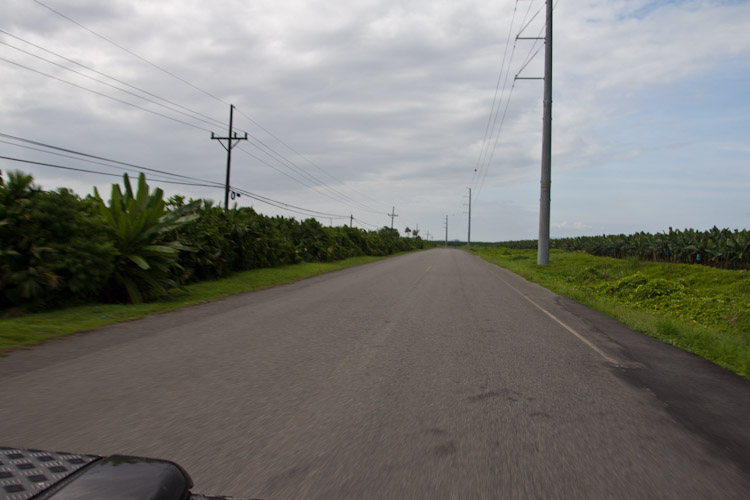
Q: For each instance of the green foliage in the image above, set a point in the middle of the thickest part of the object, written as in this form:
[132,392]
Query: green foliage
[698,308]
[138,224]
[52,248]
[716,247]
[56,248]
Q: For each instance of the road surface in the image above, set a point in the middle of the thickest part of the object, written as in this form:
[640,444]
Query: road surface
[429,375]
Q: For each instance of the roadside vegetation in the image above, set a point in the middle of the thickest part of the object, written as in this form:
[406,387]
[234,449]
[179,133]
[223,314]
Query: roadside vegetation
[698,308]
[722,248]
[138,253]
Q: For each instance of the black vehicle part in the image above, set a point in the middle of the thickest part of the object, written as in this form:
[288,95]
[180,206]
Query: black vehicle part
[124,478]
[44,475]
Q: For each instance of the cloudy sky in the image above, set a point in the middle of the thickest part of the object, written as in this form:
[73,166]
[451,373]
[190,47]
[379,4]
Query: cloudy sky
[354,107]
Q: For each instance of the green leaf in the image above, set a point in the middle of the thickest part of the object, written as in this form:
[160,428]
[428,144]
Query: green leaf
[139,261]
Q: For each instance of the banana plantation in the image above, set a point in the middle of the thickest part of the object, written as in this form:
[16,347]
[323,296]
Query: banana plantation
[716,247]
[59,249]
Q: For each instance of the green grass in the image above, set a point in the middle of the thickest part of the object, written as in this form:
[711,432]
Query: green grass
[31,329]
[697,308]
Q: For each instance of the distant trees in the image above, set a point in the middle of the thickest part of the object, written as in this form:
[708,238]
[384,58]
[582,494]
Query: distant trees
[723,248]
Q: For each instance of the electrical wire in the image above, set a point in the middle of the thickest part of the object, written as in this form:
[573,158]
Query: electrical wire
[290,148]
[130,52]
[75,169]
[527,60]
[95,157]
[104,95]
[365,223]
[77,63]
[262,199]
[260,145]
[359,205]
[494,97]
[107,84]
[282,160]
[138,168]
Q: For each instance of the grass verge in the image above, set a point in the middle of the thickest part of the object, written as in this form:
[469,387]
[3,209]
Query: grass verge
[35,328]
[700,309]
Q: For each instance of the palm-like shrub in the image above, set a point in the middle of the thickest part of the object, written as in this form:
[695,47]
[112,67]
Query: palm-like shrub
[138,225]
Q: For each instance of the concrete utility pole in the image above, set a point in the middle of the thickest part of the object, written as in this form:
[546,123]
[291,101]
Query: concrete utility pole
[230,144]
[468,239]
[446,231]
[546,181]
[351,220]
[544,200]
[393,214]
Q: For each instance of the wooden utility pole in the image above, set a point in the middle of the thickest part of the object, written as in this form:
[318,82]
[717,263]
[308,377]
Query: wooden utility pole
[392,215]
[230,144]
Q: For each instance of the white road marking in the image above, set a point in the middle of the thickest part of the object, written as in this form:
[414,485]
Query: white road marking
[558,321]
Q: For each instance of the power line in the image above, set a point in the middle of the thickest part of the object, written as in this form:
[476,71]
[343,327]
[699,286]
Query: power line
[107,84]
[303,156]
[79,159]
[366,224]
[130,52]
[86,155]
[75,169]
[262,199]
[286,162]
[287,206]
[136,106]
[104,95]
[488,159]
[497,87]
[358,204]
[486,154]
[165,116]
[77,63]
[139,168]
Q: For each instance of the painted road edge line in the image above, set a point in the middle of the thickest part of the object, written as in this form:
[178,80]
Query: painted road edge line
[560,322]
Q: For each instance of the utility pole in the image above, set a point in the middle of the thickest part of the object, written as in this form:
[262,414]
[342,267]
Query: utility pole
[544,201]
[351,220]
[230,144]
[446,231]
[546,178]
[468,239]
[392,215]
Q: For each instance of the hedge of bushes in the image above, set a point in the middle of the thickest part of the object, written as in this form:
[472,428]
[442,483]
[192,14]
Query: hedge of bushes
[722,248]
[57,248]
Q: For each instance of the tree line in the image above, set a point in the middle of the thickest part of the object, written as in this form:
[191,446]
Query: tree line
[722,248]
[57,248]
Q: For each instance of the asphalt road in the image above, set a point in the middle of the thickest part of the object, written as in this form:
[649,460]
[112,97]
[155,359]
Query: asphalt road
[429,375]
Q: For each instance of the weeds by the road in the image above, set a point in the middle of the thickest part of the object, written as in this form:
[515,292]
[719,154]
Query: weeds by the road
[33,329]
[702,310]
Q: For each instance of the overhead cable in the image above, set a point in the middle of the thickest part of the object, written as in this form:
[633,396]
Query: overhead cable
[105,95]
[130,52]
[78,63]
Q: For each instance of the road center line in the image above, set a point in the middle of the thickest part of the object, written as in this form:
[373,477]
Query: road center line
[558,321]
